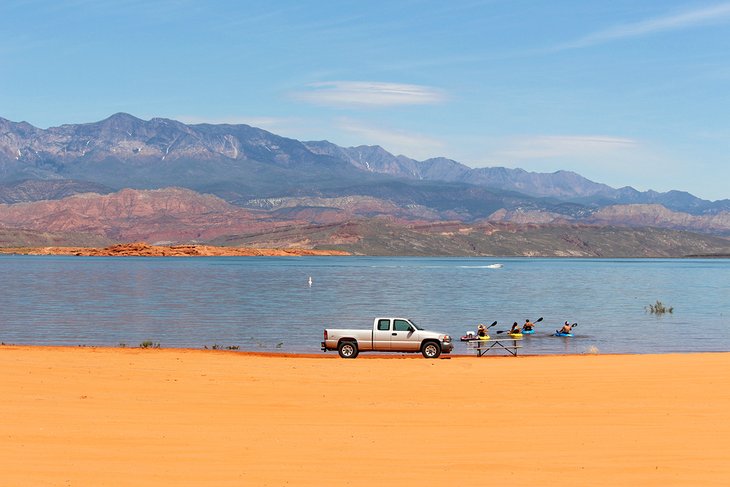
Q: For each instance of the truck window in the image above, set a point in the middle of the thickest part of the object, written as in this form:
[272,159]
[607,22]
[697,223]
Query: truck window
[384,325]
[415,325]
[401,325]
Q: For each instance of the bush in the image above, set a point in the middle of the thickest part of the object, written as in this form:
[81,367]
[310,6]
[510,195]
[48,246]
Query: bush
[149,344]
[221,347]
[658,308]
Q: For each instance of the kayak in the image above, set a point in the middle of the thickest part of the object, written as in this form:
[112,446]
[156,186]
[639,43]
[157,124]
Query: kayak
[469,338]
[561,334]
[528,332]
[516,335]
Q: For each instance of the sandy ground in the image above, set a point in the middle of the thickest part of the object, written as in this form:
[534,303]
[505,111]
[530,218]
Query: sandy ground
[134,417]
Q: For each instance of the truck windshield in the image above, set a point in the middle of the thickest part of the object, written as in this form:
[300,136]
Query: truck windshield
[415,325]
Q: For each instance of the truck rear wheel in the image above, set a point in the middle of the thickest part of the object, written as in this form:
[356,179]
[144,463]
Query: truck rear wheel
[431,349]
[347,349]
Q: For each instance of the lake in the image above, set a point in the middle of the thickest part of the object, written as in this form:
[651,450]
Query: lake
[267,303]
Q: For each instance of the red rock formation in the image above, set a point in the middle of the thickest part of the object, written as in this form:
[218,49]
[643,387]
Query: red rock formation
[142,249]
[164,215]
[659,216]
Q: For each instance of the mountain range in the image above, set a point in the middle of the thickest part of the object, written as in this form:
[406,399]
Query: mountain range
[99,178]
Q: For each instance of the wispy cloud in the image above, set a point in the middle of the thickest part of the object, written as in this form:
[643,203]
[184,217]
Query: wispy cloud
[418,146]
[548,146]
[368,93]
[719,13]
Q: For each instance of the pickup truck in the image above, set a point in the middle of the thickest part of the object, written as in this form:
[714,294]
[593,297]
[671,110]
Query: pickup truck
[387,335]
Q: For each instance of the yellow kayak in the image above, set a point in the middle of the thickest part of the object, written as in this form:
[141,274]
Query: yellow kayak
[516,335]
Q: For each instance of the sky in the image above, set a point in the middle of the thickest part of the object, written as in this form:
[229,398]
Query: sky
[625,93]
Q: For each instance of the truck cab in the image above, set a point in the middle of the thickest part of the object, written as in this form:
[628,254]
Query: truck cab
[395,334]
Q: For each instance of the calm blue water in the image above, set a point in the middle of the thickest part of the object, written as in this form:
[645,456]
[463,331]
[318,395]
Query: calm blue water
[266,304]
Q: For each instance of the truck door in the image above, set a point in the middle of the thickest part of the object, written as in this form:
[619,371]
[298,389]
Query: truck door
[381,335]
[402,337]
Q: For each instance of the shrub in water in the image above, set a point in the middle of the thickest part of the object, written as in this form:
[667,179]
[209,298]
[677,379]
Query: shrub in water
[658,308]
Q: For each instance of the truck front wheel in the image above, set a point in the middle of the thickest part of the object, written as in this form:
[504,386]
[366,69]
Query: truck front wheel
[431,349]
[347,349]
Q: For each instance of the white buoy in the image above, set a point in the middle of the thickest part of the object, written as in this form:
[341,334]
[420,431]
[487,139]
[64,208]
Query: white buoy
[310,281]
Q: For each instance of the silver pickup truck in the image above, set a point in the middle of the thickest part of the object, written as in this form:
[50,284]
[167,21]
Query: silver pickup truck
[387,335]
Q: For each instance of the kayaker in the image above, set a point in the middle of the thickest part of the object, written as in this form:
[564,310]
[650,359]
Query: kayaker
[566,328]
[528,325]
[515,329]
[482,332]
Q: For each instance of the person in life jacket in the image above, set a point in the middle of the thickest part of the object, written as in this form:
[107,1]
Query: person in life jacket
[528,325]
[515,329]
[482,332]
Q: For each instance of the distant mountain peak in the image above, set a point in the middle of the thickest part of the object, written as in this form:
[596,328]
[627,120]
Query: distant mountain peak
[122,116]
[241,163]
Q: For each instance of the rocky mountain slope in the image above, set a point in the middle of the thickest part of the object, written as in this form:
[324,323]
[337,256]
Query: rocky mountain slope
[561,185]
[19,237]
[655,216]
[112,180]
[377,236]
[51,189]
[240,163]
[182,216]
[236,162]
[173,214]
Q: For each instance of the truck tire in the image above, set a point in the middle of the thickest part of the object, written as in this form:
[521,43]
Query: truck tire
[347,349]
[431,349]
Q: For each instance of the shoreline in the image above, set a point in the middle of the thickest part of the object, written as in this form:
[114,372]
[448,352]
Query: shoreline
[138,417]
[332,354]
[142,249]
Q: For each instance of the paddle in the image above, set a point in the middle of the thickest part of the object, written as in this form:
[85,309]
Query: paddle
[508,331]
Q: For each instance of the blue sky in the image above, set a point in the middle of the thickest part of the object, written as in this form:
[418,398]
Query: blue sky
[622,92]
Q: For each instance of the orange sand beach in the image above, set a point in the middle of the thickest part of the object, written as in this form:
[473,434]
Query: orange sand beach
[137,417]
